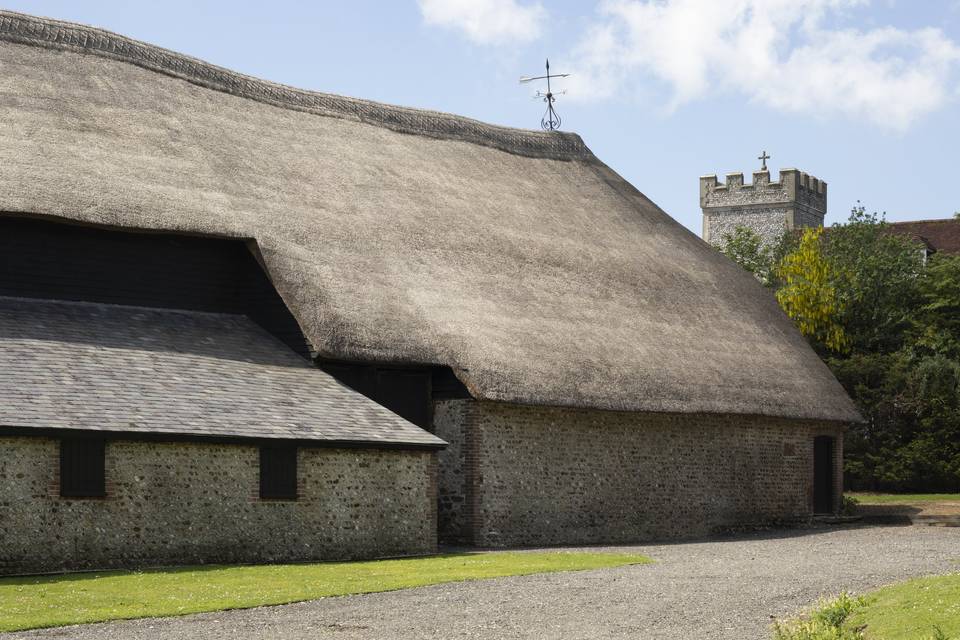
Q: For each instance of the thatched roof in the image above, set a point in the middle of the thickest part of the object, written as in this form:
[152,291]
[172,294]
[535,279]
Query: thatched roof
[515,257]
[102,367]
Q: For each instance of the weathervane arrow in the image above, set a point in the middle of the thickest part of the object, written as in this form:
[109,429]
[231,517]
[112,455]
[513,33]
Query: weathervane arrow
[550,120]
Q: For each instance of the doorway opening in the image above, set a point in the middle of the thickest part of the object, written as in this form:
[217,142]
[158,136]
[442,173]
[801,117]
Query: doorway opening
[823,477]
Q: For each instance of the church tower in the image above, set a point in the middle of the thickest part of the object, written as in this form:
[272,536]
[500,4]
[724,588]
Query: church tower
[769,208]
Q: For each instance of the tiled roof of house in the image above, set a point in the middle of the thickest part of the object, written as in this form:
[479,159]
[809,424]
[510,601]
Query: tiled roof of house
[87,366]
[941,236]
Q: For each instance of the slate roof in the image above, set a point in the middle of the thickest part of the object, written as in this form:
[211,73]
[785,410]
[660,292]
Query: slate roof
[515,257]
[89,366]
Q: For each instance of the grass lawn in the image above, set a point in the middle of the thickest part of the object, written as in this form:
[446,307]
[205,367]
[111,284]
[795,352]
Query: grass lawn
[47,601]
[920,609]
[912,609]
[904,498]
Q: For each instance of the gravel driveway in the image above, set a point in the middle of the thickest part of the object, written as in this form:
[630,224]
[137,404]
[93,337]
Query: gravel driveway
[717,589]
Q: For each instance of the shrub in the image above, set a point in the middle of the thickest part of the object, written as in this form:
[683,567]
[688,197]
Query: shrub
[848,506]
[826,622]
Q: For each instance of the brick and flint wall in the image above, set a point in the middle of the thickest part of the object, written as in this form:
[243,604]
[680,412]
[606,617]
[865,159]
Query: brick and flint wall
[516,475]
[175,503]
[768,208]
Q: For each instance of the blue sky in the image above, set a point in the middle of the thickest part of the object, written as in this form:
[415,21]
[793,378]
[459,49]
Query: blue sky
[863,94]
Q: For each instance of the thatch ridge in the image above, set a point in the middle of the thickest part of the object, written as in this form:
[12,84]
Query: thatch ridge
[46,32]
[540,278]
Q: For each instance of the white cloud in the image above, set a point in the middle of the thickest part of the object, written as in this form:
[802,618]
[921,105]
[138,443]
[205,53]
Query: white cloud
[486,21]
[780,53]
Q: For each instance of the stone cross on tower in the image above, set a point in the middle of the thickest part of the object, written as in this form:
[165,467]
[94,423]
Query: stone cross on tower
[763,157]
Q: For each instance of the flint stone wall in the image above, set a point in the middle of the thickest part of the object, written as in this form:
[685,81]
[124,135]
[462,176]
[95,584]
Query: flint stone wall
[193,503]
[545,476]
[769,224]
[449,422]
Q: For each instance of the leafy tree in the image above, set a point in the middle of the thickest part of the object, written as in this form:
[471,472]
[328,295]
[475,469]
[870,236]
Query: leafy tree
[875,274]
[808,295]
[745,247]
[888,326]
[903,369]
[936,325]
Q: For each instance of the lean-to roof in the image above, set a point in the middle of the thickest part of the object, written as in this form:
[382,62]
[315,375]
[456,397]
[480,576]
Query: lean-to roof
[515,257]
[108,368]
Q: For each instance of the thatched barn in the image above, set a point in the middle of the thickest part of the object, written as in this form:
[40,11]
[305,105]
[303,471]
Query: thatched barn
[599,373]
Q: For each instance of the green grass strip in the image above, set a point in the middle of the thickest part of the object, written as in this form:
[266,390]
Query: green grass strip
[912,610]
[919,609]
[904,498]
[47,601]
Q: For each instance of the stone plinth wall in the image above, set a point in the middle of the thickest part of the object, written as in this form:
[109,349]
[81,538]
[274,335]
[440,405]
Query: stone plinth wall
[541,476]
[191,503]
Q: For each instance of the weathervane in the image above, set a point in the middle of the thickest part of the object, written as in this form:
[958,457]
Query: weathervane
[763,157]
[550,120]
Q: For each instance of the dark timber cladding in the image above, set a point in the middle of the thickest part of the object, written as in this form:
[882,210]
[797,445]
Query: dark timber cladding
[41,259]
[408,391]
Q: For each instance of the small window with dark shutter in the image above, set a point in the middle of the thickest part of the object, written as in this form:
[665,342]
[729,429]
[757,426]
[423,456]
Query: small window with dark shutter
[278,472]
[82,473]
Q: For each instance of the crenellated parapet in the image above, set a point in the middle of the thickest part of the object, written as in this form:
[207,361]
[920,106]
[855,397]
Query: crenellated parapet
[793,185]
[770,208]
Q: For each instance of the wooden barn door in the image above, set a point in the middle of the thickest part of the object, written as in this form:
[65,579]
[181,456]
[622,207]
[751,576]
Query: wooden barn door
[823,474]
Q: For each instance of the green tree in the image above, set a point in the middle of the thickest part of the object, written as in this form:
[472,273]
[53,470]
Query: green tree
[888,326]
[936,323]
[745,247]
[875,274]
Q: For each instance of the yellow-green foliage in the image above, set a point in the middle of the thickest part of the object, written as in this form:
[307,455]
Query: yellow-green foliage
[807,294]
[46,601]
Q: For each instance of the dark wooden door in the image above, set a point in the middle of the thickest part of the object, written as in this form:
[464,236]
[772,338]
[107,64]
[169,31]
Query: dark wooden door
[823,474]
